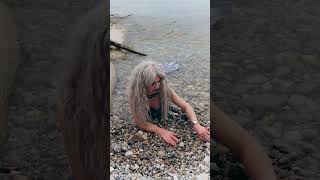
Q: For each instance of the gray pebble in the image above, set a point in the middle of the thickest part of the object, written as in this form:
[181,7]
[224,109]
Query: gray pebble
[129,153]
[161,154]
[181,144]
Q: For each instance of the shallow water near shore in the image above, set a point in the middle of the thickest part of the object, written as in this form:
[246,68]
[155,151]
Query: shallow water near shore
[194,14]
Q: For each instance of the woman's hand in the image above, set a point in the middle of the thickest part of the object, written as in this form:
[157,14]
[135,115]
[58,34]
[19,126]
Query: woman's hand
[168,136]
[202,132]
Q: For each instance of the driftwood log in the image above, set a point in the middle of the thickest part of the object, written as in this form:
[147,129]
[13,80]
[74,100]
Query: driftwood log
[8,64]
[121,46]
[83,98]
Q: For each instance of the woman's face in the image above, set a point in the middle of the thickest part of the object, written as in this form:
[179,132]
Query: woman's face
[154,87]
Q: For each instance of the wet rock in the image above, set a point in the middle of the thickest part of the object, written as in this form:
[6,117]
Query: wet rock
[306,87]
[309,135]
[281,85]
[267,86]
[256,79]
[286,57]
[273,131]
[281,71]
[311,59]
[265,101]
[308,148]
[302,103]
[293,135]
[32,118]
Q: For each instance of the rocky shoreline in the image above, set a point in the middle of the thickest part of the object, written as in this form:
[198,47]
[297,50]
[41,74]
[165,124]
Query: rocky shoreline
[266,75]
[139,155]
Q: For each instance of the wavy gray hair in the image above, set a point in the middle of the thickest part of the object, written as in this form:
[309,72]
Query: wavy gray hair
[142,76]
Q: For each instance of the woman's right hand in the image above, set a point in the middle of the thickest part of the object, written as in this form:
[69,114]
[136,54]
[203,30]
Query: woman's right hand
[168,136]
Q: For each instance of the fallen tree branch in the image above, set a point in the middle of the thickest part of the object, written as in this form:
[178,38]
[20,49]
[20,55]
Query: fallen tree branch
[125,48]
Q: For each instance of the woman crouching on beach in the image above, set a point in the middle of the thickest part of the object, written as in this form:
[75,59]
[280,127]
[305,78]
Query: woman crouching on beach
[149,96]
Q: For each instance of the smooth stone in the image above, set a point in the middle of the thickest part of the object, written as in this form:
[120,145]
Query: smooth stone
[207,145]
[115,147]
[302,103]
[181,144]
[293,135]
[135,167]
[144,137]
[203,176]
[161,154]
[281,71]
[311,59]
[128,153]
[124,146]
[263,101]
[286,57]
[309,134]
[256,79]
[206,159]
[305,87]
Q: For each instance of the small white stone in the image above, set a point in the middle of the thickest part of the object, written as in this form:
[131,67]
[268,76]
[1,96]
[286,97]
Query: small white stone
[203,176]
[161,154]
[181,144]
[135,167]
[144,137]
[129,153]
[206,159]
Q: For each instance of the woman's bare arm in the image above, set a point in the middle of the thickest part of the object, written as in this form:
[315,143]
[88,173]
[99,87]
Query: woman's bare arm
[203,132]
[185,107]
[168,136]
[258,165]
[147,126]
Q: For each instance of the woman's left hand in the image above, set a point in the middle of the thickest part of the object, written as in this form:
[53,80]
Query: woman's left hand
[202,132]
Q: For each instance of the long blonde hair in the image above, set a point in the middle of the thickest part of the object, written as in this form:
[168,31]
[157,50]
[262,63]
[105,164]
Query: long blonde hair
[142,76]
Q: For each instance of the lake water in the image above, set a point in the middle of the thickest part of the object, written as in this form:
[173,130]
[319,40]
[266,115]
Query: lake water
[175,30]
[192,13]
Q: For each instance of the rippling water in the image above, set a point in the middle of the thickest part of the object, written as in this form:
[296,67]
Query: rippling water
[192,13]
[168,29]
